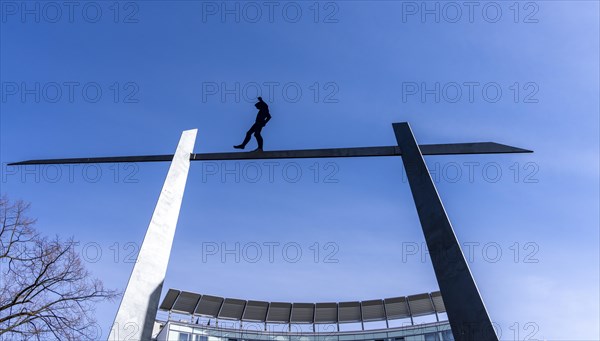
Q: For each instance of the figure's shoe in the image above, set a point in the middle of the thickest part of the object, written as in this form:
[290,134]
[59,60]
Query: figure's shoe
[258,150]
[239,146]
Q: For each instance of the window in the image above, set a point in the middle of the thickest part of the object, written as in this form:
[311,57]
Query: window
[432,337]
[184,337]
[200,338]
[447,335]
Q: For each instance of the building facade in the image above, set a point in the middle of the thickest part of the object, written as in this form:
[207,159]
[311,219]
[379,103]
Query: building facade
[196,317]
[181,331]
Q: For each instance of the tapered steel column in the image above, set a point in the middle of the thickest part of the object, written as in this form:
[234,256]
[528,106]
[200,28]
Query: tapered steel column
[137,311]
[466,311]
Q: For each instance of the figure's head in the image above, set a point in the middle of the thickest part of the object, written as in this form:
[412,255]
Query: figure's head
[261,105]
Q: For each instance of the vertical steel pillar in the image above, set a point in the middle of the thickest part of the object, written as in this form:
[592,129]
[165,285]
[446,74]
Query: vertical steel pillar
[466,311]
[137,311]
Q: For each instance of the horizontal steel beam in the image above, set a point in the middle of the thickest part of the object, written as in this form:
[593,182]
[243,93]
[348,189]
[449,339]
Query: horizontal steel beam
[108,159]
[426,149]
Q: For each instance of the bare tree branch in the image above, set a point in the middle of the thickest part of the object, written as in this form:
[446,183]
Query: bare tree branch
[45,291]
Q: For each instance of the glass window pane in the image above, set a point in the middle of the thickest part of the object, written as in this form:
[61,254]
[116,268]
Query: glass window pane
[447,334]
[431,337]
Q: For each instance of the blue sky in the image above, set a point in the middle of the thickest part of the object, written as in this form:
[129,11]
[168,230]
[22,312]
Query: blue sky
[336,74]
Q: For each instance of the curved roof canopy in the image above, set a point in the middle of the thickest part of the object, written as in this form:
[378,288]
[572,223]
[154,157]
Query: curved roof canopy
[298,313]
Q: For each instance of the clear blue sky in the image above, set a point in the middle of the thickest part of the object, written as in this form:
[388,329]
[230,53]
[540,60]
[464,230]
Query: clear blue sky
[164,67]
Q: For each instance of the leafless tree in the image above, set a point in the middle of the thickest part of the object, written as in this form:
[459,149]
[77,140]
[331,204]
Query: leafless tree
[45,291]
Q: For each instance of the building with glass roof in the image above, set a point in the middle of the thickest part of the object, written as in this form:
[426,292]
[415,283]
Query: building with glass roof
[188,316]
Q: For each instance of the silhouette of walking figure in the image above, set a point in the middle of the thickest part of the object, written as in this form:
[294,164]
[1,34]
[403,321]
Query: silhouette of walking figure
[262,118]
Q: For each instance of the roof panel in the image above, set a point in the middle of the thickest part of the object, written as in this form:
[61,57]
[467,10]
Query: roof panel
[373,310]
[420,305]
[279,312]
[169,300]
[325,313]
[232,309]
[303,312]
[255,311]
[209,306]
[349,311]
[438,302]
[186,302]
[396,308]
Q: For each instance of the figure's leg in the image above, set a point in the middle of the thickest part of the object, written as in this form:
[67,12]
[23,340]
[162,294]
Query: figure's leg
[258,137]
[247,138]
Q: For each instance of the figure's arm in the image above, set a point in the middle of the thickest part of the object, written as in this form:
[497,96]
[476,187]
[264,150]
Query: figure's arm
[268,118]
